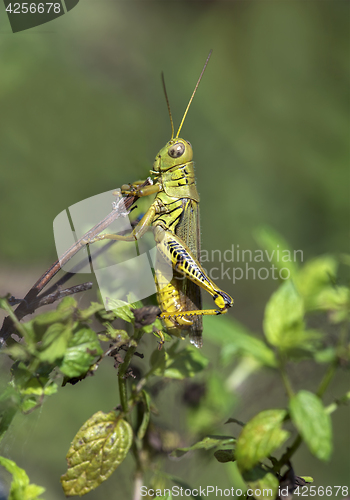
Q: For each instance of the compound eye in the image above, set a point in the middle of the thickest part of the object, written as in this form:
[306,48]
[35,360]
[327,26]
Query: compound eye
[177,150]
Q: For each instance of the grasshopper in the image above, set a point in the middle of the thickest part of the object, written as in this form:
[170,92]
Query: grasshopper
[174,218]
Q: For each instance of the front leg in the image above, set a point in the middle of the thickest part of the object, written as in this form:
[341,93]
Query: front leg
[141,228]
[136,188]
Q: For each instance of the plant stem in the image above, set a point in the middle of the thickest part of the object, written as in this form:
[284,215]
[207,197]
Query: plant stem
[334,365]
[137,486]
[123,369]
[288,454]
[285,379]
[327,379]
[335,405]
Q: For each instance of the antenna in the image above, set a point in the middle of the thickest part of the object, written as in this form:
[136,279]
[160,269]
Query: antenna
[169,110]
[192,96]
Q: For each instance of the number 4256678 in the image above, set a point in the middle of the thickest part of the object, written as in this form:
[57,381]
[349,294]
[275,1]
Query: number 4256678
[320,491]
[33,8]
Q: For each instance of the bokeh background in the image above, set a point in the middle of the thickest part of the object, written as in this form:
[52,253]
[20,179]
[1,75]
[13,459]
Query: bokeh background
[82,111]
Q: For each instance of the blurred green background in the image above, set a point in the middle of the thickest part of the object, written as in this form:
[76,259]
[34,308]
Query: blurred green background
[82,111]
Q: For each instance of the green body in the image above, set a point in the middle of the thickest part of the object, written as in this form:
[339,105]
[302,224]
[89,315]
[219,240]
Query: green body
[174,216]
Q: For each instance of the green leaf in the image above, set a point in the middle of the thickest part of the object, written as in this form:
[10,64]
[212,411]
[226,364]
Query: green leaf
[35,388]
[336,300]
[48,318]
[64,311]
[314,424]
[103,315]
[300,342]
[259,437]
[157,361]
[146,415]
[134,303]
[32,385]
[21,375]
[9,395]
[121,309]
[314,276]
[29,404]
[333,298]
[276,248]
[224,456]
[67,304]
[178,365]
[185,363]
[264,484]
[307,479]
[19,352]
[94,308]
[81,352]
[112,334]
[284,314]
[20,487]
[205,444]
[326,355]
[54,343]
[8,411]
[236,339]
[99,447]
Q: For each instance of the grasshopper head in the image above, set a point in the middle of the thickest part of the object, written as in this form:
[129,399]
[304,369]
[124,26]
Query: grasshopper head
[176,152]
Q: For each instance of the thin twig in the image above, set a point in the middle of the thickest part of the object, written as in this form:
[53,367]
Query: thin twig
[80,265]
[24,307]
[59,294]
